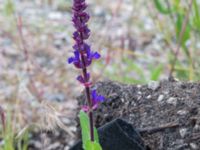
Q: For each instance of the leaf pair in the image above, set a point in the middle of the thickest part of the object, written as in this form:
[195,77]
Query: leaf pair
[85,131]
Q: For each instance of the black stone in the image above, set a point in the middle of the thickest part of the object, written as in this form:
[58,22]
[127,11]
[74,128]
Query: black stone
[117,135]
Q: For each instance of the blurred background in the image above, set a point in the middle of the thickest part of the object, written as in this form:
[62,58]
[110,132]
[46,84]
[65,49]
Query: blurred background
[139,40]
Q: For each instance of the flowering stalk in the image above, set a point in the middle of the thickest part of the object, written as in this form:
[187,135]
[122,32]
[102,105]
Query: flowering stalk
[83,57]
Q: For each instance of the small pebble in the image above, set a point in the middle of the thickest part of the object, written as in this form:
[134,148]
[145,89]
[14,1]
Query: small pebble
[183,132]
[160,98]
[37,144]
[172,100]
[193,146]
[66,148]
[139,97]
[166,92]
[65,120]
[196,127]
[148,97]
[153,85]
[55,145]
[71,142]
[182,112]
[72,128]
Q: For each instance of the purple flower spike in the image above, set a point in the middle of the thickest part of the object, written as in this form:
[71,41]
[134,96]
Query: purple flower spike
[83,57]
[96,99]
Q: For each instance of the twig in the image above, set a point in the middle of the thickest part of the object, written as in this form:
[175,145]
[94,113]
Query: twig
[3,119]
[158,129]
[21,37]
[27,58]
[181,37]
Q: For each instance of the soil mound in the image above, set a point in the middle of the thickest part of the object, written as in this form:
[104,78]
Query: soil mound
[166,113]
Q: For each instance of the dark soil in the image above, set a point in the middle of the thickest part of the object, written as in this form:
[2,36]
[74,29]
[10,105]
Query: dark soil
[166,113]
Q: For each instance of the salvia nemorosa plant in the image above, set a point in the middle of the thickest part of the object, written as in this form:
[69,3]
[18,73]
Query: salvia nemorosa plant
[82,59]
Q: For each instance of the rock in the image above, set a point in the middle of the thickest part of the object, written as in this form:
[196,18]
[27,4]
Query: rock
[193,146]
[172,100]
[160,98]
[66,148]
[196,127]
[153,85]
[182,112]
[55,145]
[183,132]
[148,97]
[65,120]
[126,137]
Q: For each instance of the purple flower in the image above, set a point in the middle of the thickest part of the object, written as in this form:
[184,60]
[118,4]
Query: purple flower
[88,57]
[83,48]
[84,80]
[79,5]
[83,55]
[80,19]
[77,37]
[96,99]
[76,60]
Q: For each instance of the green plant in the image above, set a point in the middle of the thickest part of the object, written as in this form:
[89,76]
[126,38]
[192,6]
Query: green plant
[185,20]
[85,131]
[9,137]
[82,59]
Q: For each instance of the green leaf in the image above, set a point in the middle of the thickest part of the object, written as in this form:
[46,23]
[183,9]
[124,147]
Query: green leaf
[176,5]
[196,19]
[9,7]
[155,74]
[92,146]
[182,71]
[186,34]
[85,129]
[96,137]
[161,8]
[9,133]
